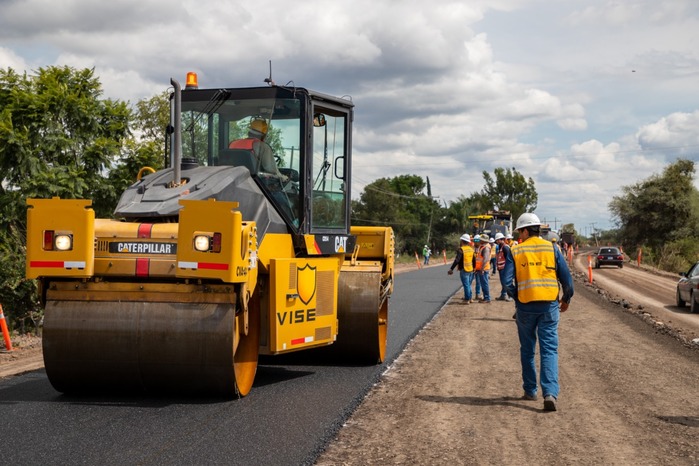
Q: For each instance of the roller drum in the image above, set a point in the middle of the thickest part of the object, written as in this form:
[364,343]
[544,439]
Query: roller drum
[362,315]
[156,347]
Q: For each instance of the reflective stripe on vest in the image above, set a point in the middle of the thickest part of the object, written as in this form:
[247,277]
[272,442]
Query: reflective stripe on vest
[467,263]
[535,269]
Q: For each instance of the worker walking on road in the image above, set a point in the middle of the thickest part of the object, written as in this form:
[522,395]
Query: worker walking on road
[533,271]
[464,262]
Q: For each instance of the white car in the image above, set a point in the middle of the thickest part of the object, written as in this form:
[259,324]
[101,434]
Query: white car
[688,288]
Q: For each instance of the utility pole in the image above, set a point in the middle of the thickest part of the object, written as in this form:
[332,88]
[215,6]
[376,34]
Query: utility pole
[593,233]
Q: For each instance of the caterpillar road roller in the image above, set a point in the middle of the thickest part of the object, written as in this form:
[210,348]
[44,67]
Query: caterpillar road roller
[242,247]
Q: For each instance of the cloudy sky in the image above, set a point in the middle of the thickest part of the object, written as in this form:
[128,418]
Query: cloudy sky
[583,96]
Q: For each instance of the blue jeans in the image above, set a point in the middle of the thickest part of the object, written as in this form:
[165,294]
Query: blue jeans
[483,278]
[466,279]
[503,291]
[539,320]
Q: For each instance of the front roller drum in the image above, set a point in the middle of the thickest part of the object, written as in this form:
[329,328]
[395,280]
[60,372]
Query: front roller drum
[363,318]
[148,346]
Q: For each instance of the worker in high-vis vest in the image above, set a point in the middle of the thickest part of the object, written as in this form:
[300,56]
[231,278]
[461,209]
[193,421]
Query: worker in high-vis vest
[483,267]
[503,251]
[255,143]
[533,270]
[464,262]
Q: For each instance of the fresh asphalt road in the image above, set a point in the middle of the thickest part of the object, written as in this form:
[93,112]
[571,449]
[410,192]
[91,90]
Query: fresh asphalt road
[295,407]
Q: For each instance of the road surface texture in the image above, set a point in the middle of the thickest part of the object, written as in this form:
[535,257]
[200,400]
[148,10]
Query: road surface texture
[628,374]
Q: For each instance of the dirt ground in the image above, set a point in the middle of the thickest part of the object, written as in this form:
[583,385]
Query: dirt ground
[25,355]
[628,393]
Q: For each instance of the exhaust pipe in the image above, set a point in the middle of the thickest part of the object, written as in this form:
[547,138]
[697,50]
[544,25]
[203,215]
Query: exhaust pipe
[177,142]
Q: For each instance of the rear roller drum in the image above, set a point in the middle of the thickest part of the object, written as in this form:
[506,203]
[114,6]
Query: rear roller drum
[363,318]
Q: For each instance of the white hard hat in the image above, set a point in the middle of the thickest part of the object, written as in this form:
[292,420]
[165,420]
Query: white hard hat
[491,240]
[509,236]
[498,236]
[477,238]
[527,220]
[465,237]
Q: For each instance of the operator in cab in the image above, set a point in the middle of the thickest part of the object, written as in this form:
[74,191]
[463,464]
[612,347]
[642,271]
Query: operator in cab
[255,142]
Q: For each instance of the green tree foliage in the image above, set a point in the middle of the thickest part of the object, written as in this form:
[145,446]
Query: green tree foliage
[147,148]
[660,209]
[57,137]
[509,190]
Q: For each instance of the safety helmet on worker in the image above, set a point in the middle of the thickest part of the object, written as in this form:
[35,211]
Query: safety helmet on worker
[527,219]
[258,128]
[476,238]
[466,238]
[498,236]
[509,236]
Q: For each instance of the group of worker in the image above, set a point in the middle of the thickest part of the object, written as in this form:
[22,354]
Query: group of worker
[478,257]
[533,286]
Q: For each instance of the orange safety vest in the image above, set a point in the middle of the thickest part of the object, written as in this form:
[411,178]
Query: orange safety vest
[481,264]
[501,256]
[467,263]
[535,270]
[246,144]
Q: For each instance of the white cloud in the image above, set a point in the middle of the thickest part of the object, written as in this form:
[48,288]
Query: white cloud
[9,59]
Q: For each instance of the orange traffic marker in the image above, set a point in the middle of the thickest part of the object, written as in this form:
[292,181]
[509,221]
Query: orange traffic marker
[5,332]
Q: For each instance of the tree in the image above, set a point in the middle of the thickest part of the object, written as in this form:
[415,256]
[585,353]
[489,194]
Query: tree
[509,190]
[400,202]
[57,137]
[660,209]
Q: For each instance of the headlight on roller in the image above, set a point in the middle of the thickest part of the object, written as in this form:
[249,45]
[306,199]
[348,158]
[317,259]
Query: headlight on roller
[202,243]
[63,242]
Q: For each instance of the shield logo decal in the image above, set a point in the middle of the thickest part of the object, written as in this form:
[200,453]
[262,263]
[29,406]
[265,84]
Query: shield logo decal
[306,283]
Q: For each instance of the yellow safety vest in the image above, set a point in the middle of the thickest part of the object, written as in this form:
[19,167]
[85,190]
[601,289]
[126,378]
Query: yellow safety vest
[468,258]
[535,269]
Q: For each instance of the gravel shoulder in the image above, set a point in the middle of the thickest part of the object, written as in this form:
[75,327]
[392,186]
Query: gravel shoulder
[628,394]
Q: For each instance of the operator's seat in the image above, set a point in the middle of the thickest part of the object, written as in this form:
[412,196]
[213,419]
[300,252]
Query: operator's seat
[239,158]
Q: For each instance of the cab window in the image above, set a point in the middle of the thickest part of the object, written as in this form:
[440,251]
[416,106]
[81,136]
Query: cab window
[329,166]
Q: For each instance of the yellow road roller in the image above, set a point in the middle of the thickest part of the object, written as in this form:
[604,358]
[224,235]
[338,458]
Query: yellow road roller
[241,247]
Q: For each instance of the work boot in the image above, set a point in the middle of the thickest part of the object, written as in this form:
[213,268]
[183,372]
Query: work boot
[529,397]
[550,403]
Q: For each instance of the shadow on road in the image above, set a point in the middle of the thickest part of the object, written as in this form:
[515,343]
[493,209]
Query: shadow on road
[478,401]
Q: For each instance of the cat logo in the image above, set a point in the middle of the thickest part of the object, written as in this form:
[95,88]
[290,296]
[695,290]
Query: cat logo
[306,283]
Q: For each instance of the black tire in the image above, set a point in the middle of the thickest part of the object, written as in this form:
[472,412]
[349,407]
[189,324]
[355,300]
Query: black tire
[678,299]
[621,266]
[694,306]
